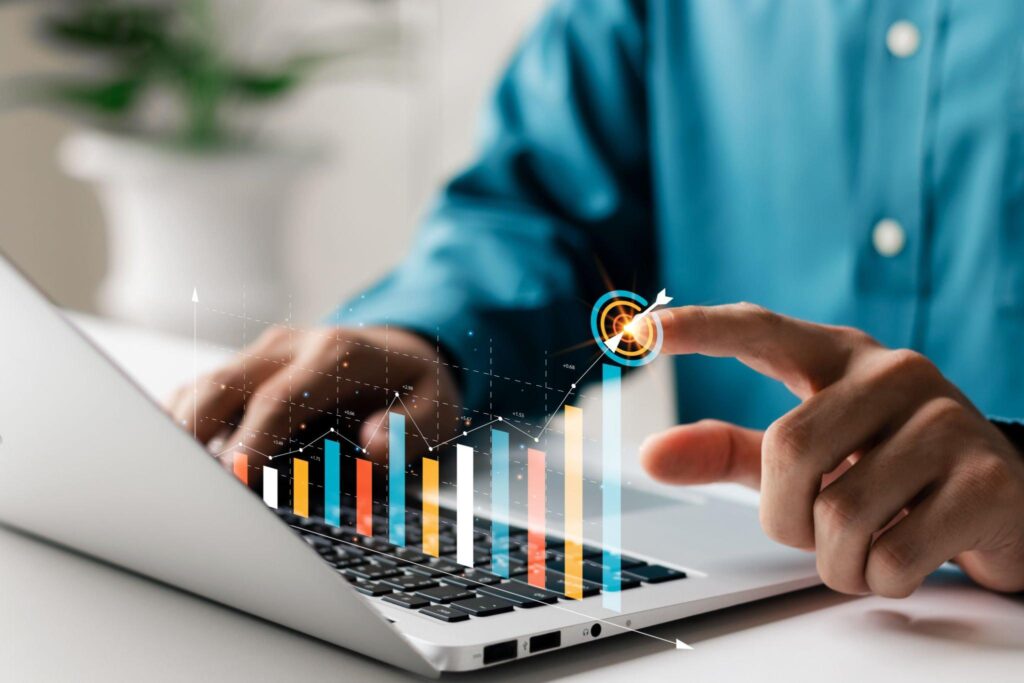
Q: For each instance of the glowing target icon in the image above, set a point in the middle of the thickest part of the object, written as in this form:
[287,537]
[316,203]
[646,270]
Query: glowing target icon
[620,320]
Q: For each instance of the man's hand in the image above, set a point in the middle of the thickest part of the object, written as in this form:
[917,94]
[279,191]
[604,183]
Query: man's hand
[290,379]
[885,469]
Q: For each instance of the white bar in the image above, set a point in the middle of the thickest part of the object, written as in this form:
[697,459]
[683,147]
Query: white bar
[464,505]
[270,486]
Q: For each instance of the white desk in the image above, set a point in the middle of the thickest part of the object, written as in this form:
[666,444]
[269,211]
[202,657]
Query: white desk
[63,617]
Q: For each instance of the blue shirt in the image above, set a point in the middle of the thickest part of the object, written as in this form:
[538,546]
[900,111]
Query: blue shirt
[843,161]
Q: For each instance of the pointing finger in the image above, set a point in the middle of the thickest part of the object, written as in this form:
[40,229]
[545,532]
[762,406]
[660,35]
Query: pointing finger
[804,356]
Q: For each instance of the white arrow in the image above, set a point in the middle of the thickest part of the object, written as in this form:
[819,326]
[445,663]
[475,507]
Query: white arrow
[613,343]
[680,645]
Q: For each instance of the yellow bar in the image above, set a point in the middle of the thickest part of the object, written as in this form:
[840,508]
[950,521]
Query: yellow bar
[300,495]
[431,501]
[573,503]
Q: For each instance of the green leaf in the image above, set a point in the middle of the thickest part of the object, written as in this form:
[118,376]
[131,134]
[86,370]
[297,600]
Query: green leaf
[274,83]
[108,27]
[110,98]
[262,86]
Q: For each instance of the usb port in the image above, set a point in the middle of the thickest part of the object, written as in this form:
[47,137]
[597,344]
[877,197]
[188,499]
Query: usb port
[546,641]
[499,652]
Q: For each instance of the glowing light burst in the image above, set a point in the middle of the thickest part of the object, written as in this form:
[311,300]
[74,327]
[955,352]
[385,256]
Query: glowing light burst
[617,320]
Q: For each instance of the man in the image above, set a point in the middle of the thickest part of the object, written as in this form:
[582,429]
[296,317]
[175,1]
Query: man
[851,163]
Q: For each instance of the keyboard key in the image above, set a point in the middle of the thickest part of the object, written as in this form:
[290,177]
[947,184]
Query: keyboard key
[516,568]
[520,594]
[447,566]
[371,572]
[406,600]
[370,588]
[471,578]
[377,544]
[653,573]
[384,561]
[594,573]
[626,562]
[318,542]
[345,563]
[555,582]
[411,555]
[444,613]
[483,606]
[445,594]
[425,570]
[409,584]
[346,550]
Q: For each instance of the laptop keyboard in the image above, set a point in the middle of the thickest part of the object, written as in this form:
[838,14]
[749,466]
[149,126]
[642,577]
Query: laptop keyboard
[450,592]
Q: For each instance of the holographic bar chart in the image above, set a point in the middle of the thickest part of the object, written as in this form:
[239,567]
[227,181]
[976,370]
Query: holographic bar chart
[270,487]
[499,503]
[300,490]
[536,542]
[240,467]
[525,554]
[464,505]
[573,502]
[611,473]
[364,497]
[332,482]
[396,479]
[431,507]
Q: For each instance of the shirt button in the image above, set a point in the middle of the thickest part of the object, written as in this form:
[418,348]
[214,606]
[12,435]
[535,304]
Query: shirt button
[903,39]
[888,237]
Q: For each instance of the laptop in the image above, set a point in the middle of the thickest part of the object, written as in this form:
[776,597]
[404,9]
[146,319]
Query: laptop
[90,463]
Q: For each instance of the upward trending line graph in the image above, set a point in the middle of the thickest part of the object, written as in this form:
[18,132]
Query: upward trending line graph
[397,398]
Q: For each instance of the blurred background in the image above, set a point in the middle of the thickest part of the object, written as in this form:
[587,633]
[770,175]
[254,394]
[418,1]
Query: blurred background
[370,131]
[276,154]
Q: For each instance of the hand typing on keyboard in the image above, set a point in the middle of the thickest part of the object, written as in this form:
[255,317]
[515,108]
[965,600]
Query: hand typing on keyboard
[290,378]
[886,470]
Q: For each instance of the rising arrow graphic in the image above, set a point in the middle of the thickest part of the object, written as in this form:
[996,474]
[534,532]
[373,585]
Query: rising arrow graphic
[613,343]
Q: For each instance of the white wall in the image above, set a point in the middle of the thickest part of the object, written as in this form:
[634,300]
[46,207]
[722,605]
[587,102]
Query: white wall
[394,136]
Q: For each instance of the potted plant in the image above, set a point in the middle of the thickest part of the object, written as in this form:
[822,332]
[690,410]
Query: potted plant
[191,195]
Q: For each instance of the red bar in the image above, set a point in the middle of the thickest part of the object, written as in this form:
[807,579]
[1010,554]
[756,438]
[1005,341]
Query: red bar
[241,467]
[535,543]
[364,497]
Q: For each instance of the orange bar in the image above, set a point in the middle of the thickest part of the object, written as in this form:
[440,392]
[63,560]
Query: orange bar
[241,467]
[431,545]
[573,503]
[300,494]
[535,543]
[364,497]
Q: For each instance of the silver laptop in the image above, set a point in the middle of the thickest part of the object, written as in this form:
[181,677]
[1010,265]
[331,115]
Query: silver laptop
[90,463]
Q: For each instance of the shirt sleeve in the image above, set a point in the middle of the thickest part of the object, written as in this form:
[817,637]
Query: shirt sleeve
[554,210]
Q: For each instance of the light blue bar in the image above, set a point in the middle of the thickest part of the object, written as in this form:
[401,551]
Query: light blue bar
[396,479]
[611,485]
[332,482]
[499,503]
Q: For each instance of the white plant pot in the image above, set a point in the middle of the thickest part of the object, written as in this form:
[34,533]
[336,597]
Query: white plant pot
[178,219]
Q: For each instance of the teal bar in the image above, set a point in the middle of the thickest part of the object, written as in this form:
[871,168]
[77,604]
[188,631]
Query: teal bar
[332,482]
[396,479]
[499,503]
[611,486]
